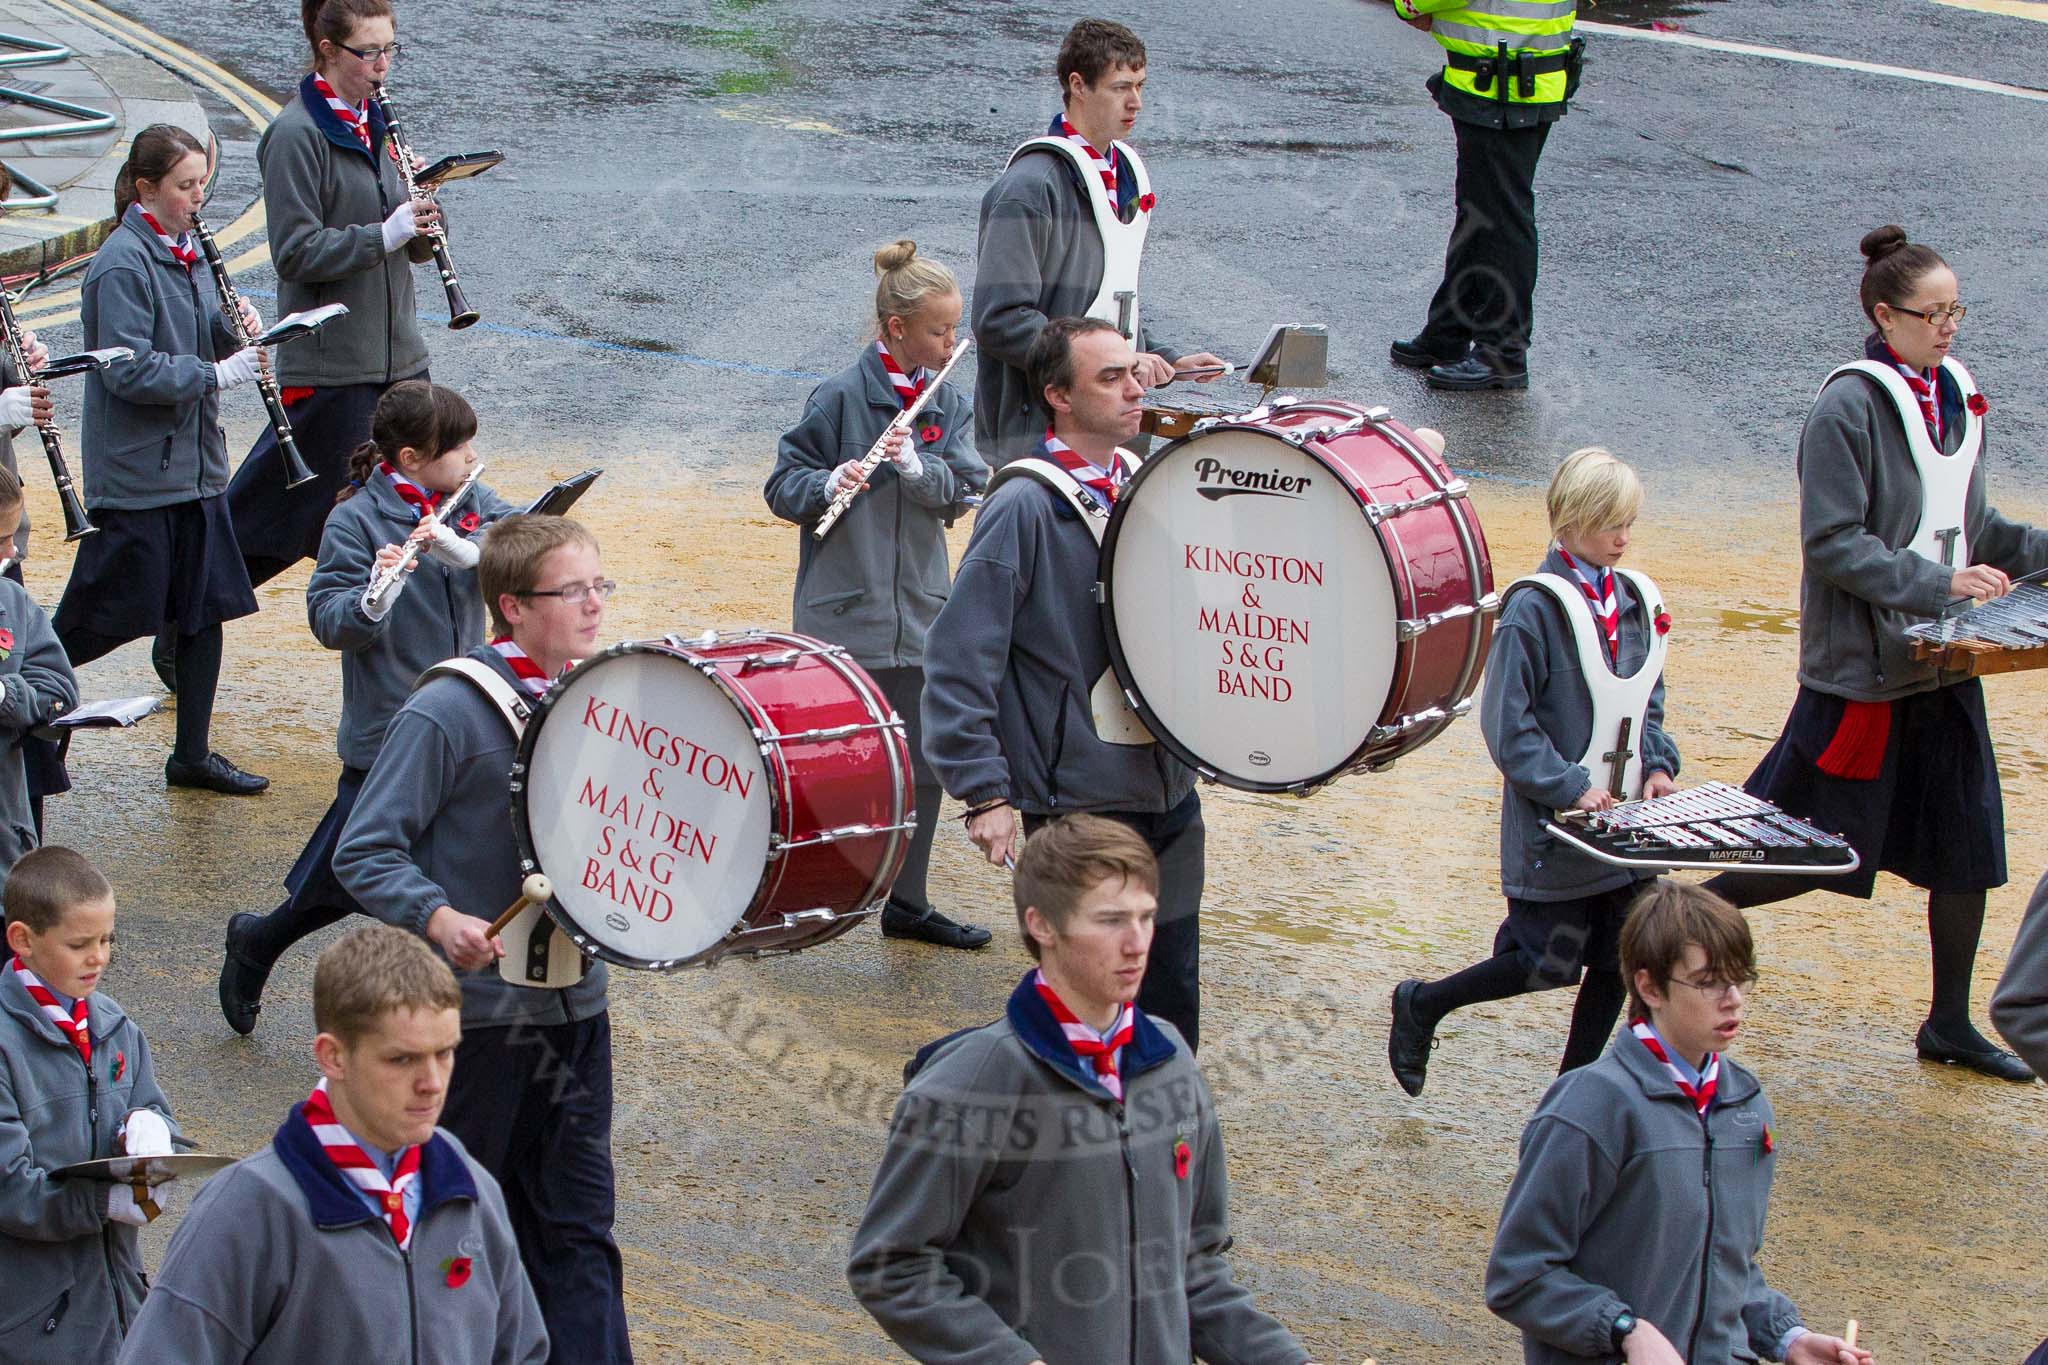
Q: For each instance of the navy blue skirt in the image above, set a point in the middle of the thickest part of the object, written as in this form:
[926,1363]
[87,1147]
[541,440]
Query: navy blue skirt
[311,881]
[149,567]
[1559,940]
[1933,815]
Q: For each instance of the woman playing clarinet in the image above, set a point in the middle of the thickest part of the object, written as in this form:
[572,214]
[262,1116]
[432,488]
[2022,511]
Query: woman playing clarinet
[341,231]
[164,558]
[876,581]
[1895,524]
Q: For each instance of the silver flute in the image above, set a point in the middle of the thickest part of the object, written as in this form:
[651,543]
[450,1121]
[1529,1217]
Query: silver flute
[381,585]
[872,461]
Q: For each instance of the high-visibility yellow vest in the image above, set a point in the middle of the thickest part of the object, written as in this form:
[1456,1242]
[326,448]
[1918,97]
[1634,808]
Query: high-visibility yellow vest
[1474,30]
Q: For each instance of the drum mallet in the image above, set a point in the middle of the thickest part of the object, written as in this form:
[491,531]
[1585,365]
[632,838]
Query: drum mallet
[1849,1337]
[533,891]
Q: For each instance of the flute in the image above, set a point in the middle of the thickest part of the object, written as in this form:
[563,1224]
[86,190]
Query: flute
[872,461]
[296,471]
[381,585]
[460,314]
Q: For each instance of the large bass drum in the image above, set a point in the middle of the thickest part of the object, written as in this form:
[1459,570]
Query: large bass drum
[726,794]
[1296,593]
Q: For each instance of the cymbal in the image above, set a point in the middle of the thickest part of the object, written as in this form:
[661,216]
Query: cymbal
[148,1170]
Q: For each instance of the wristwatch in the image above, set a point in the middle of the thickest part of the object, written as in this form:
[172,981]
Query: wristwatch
[1624,1323]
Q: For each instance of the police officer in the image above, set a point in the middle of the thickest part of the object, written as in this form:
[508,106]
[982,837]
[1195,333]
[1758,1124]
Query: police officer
[1509,67]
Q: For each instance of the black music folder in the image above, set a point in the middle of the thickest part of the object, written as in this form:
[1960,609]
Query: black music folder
[557,501]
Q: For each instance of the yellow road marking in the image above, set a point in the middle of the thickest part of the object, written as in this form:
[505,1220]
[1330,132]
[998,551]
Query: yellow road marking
[2036,10]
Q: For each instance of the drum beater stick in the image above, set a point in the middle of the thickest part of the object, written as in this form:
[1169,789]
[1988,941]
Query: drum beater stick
[533,891]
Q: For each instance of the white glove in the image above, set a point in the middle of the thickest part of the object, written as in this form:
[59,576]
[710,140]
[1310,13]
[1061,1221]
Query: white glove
[238,369]
[845,477]
[451,549]
[145,1133]
[123,1208]
[907,462]
[252,320]
[402,226]
[15,411]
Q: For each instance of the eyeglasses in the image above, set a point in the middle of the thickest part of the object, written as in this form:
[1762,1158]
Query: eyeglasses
[574,593]
[1933,317]
[371,54]
[1715,989]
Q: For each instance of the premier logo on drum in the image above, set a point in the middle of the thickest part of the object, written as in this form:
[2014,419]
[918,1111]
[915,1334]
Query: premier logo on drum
[1216,480]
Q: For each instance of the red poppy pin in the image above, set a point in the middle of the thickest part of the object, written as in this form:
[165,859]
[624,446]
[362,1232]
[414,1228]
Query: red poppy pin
[468,522]
[1183,1158]
[6,642]
[457,1270]
[1979,404]
[1769,1145]
[120,1066]
[1146,201]
[931,435]
[1663,623]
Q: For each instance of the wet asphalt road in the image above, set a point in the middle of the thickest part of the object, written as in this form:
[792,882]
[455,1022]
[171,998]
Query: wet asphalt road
[680,245]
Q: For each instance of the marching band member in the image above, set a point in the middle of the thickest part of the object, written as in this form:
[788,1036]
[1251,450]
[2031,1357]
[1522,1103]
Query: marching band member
[1612,1243]
[1061,234]
[341,231]
[78,1086]
[429,848]
[875,583]
[966,1248]
[293,1254]
[2020,1005]
[422,449]
[1017,715]
[165,556]
[1578,640]
[1895,525]
[36,686]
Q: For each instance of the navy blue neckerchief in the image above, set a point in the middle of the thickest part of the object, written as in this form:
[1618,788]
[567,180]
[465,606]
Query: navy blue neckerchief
[1126,177]
[1946,391]
[1043,1037]
[338,132]
[333,1202]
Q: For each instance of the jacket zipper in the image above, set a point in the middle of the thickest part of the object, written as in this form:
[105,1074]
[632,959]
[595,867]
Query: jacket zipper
[412,1304]
[1692,1348]
[1123,1137]
[202,329]
[390,294]
[92,1132]
[896,594]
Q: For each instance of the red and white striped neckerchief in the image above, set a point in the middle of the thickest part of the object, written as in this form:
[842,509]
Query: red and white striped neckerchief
[1105,166]
[523,667]
[1102,1049]
[1105,482]
[413,494]
[357,1167]
[180,246]
[76,1025]
[1701,1095]
[1606,606]
[354,117]
[1921,382]
[908,386]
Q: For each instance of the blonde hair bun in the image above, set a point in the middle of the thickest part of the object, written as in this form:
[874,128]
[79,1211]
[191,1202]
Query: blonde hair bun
[895,256]
[906,280]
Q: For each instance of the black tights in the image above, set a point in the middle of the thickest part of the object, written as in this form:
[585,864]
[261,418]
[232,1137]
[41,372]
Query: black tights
[198,673]
[1507,975]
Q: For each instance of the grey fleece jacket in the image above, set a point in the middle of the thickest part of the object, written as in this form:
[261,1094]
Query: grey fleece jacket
[73,1280]
[1624,1199]
[151,434]
[438,615]
[877,580]
[1010,664]
[326,200]
[36,684]
[280,1261]
[433,827]
[2020,1005]
[1859,504]
[1039,257]
[1537,718]
[1020,1213]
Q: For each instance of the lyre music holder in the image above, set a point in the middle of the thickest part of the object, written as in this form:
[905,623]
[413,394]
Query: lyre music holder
[1293,356]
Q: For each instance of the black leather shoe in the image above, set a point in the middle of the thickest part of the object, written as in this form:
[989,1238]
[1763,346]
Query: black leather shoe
[1979,1055]
[929,926]
[163,657]
[1413,355]
[1409,1039]
[241,977]
[216,774]
[1475,372]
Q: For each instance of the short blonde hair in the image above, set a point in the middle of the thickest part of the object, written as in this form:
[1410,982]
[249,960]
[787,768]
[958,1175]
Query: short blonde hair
[904,280]
[373,970]
[1592,491]
[514,546]
[1069,858]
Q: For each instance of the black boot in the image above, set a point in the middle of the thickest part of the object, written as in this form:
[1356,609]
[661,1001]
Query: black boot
[929,926]
[242,976]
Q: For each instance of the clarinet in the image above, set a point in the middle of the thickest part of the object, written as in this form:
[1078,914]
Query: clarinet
[296,470]
[460,314]
[872,461]
[76,523]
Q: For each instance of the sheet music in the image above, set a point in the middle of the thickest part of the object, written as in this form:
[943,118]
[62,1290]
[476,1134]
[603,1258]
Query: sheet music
[118,711]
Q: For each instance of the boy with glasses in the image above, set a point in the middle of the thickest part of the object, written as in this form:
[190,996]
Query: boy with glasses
[429,847]
[1634,1222]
